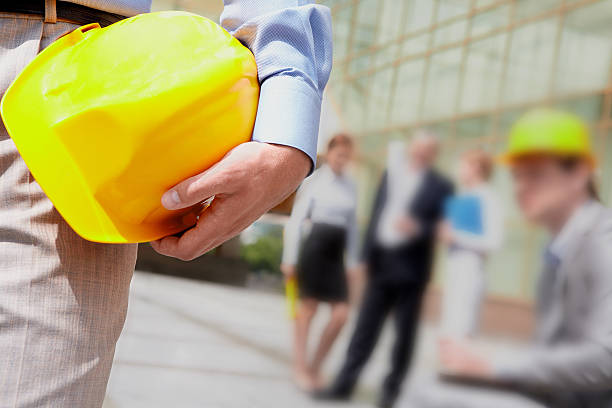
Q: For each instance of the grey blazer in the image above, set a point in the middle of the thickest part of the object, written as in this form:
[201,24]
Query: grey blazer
[571,360]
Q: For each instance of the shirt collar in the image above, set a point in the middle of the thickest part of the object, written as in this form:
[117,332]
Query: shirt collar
[329,173]
[580,218]
[416,171]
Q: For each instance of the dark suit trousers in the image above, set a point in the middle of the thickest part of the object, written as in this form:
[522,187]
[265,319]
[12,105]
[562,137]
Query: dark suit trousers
[381,298]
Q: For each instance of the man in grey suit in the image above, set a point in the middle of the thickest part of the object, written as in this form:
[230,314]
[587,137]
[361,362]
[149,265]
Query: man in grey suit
[569,364]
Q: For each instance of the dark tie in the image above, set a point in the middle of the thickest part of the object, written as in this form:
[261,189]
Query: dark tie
[548,316]
[551,261]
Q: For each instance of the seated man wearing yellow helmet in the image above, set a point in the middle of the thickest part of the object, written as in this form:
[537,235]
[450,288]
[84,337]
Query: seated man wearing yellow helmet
[570,362]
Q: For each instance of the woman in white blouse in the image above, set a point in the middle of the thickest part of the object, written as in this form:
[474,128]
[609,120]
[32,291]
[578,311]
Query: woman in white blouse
[472,230]
[328,199]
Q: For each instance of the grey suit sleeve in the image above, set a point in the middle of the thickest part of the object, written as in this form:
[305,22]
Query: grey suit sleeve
[587,363]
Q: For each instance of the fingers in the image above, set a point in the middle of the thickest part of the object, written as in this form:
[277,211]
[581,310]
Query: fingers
[289,271]
[196,189]
[226,176]
[247,182]
[223,220]
[193,242]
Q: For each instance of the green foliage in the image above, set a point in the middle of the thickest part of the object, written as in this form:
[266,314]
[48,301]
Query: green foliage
[264,254]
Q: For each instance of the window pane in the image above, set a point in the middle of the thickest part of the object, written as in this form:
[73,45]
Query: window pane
[365,24]
[452,8]
[530,8]
[485,3]
[386,55]
[419,14]
[450,33]
[342,21]
[353,102]
[378,99]
[405,105]
[443,131]
[586,52]
[474,129]
[331,3]
[483,72]
[589,109]
[359,64]
[373,148]
[506,120]
[415,45]
[442,84]
[391,20]
[490,20]
[530,63]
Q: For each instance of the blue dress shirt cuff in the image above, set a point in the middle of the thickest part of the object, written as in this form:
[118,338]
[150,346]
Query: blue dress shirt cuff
[289,113]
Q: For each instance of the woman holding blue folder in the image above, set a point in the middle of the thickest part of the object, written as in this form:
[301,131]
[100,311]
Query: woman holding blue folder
[472,229]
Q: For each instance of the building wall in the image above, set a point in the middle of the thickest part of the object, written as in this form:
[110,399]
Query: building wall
[467,69]
[207,8]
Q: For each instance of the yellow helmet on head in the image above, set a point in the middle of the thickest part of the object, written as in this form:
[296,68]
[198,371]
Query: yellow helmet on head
[549,132]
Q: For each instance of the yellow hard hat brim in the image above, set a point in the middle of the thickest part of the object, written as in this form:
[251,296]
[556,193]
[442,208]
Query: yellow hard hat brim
[509,159]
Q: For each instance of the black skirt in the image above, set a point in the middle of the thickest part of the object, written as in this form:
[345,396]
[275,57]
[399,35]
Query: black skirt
[321,273]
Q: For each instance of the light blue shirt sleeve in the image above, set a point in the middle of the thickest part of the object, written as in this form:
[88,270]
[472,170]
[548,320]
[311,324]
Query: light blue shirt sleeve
[292,44]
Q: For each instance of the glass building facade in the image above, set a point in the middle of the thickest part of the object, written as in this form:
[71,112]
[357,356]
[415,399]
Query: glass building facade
[467,69]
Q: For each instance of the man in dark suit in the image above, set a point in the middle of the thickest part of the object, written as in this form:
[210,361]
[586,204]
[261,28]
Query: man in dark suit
[398,251]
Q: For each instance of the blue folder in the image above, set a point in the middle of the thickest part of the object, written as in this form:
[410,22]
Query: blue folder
[464,212]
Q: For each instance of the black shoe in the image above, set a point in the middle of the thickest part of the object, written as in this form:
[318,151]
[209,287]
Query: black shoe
[331,394]
[386,400]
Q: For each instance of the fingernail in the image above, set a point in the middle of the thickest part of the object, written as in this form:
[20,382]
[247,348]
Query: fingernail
[171,199]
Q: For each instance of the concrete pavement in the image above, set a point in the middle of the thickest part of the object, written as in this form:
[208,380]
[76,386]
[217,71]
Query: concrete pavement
[193,344]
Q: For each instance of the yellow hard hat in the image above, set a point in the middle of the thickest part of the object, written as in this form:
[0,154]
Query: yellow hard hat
[549,132]
[107,119]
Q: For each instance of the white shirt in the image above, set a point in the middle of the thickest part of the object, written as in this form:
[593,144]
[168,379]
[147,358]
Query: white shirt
[328,198]
[403,182]
[492,224]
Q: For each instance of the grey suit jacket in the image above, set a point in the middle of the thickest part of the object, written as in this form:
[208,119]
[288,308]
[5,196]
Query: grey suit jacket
[572,356]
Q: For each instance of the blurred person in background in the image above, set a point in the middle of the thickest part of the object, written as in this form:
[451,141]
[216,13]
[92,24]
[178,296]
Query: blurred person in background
[569,364]
[64,299]
[329,200]
[473,228]
[398,249]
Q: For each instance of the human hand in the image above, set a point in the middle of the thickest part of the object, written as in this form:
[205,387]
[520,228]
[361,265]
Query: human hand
[445,233]
[289,271]
[356,270]
[407,225]
[250,180]
[462,360]
[356,277]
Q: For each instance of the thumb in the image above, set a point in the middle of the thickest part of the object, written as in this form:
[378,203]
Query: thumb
[195,189]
